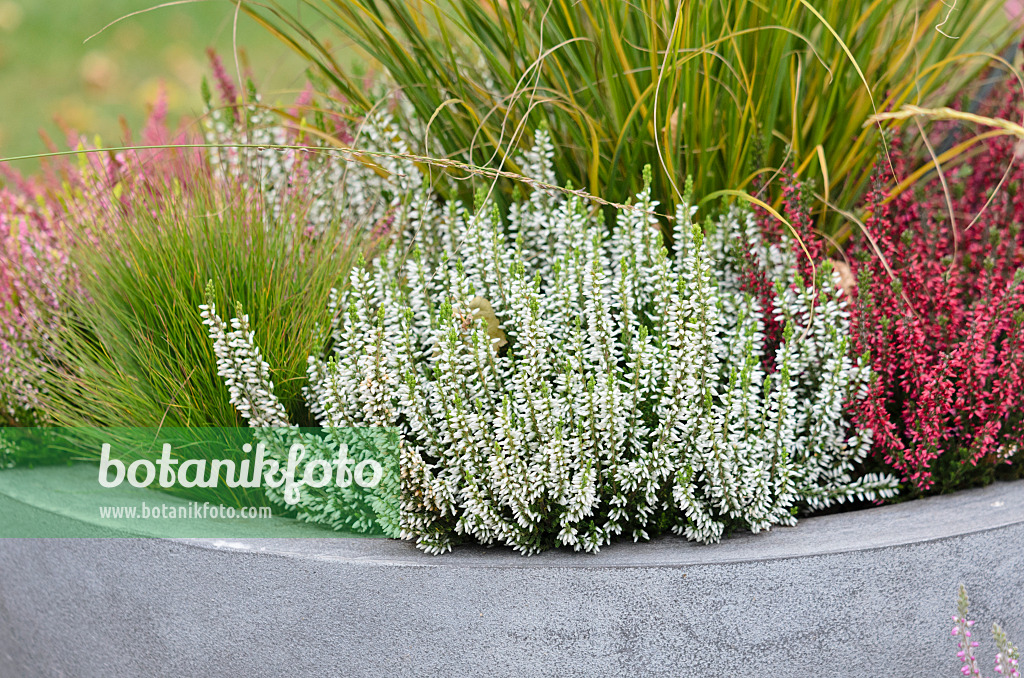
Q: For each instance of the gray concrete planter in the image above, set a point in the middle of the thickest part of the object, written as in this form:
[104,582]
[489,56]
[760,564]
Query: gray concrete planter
[866,593]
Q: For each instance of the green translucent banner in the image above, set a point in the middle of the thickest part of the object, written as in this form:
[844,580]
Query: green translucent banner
[201,482]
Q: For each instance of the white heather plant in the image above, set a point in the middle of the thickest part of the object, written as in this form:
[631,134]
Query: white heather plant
[275,159]
[247,376]
[554,384]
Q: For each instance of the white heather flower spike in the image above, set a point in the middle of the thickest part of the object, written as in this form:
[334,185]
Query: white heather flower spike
[241,364]
[288,168]
[555,385]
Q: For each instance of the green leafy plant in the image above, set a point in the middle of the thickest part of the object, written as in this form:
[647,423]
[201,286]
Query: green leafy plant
[724,92]
[133,349]
[129,351]
[105,257]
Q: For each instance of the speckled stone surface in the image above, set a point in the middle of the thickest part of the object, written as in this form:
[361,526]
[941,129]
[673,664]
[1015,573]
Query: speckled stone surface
[867,593]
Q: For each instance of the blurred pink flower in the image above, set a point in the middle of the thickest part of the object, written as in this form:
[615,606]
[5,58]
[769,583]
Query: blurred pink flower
[1014,9]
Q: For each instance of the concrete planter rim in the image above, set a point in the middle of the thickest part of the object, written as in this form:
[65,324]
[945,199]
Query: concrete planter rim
[918,521]
[869,591]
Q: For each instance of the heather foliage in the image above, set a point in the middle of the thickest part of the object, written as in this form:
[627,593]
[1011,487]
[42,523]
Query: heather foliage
[32,266]
[554,386]
[1007,659]
[278,155]
[40,219]
[160,222]
[940,311]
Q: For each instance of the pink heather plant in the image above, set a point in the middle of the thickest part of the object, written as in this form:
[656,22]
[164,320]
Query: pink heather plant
[1015,10]
[36,215]
[75,196]
[33,265]
[939,315]
[1006,659]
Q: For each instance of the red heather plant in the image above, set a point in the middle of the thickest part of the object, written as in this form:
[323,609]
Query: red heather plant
[938,312]
[941,313]
[806,246]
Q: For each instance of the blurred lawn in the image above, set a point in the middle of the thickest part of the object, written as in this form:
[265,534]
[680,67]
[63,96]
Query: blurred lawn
[47,71]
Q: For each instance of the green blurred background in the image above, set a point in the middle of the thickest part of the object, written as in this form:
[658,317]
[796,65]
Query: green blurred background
[46,70]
